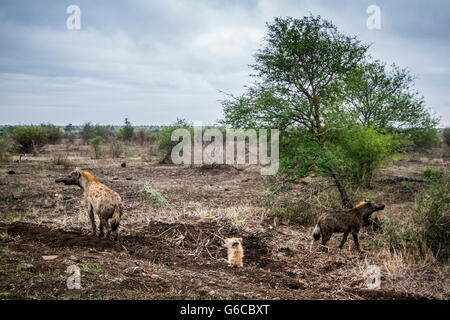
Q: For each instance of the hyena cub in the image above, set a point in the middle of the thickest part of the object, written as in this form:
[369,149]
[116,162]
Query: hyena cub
[100,199]
[348,220]
[235,251]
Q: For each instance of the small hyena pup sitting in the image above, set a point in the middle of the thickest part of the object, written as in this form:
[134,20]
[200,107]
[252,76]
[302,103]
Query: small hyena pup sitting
[347,220]
[235,251]
[100,200]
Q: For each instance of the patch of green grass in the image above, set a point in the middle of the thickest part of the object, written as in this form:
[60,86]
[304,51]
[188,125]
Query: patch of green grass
[424,232]
[97,270]
[31,216]
[432,174]
[161,200]
[397,157]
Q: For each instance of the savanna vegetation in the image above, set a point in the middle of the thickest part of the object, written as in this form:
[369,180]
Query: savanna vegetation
[351,128]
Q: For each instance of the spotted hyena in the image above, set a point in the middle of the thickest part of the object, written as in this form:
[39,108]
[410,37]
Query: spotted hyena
[346,221]
[100,199]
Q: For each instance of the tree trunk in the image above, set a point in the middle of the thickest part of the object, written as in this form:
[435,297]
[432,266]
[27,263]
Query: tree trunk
[344,197]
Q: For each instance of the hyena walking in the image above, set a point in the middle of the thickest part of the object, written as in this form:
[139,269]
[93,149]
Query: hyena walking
[100,199]
[348,220]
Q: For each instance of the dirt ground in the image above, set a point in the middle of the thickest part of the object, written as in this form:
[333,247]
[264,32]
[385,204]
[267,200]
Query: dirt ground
[169,247]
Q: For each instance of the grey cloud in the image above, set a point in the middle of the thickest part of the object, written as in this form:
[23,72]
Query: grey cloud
[152,61]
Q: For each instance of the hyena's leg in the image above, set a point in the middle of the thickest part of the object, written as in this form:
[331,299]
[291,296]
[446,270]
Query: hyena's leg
[115,231]
[344,238]
[355,239]
[102,222]
[108,228]
[91,216]
[325,238]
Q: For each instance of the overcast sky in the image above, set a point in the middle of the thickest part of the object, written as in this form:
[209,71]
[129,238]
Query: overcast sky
[154,61]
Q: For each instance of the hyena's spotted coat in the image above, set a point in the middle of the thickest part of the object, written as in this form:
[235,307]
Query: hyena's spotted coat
[100,199]
[349,220]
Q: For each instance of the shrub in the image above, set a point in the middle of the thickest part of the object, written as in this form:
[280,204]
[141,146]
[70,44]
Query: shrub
[422,138]
[433,174]
[289,210]
[164,141]
[105,132]
[141,137]
[126,132]
[447,136]
[29,139]
[61,160]
[95,143]
[363,150]
[87,132]
[70,136]
[5,130]
[4,144]
[432,217]
[69,128]
[426,231]
[116,148]
[54,134]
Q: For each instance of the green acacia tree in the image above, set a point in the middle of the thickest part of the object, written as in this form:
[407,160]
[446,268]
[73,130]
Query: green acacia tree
[96,145]
[126,132]
[301,71]
[338,113]
[384,97]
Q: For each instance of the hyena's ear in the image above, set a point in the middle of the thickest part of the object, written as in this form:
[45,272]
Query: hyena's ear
[240,240]
[77,170]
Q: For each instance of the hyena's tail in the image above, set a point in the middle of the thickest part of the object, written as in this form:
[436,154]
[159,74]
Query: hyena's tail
[316,233]
[115,219]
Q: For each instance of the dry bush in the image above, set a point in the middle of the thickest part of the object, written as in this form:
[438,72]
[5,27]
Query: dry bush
[116,149]
[4,146]
[424,233]
[293,202]
[61,160]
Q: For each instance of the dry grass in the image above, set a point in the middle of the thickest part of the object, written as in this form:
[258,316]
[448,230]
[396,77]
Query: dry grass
[234,198]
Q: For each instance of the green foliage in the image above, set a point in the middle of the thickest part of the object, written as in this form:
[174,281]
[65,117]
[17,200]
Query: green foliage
[54,134]
[289,211]
[363,150]
[446,134]
[95,143]
[353,153]
[87,132]
[164,142]
[6,130]
[302,68]
[161,200]
[105,132]
[432,216]
[29,139]
[426,231]
[4,145]
[142,137]
[69,128]
[116,148]
[383,97]
[301,154]
[432,174]
[126,132]
[422,138]
[334,109]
